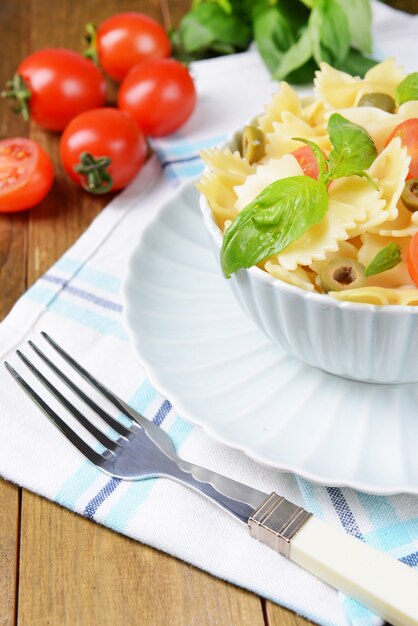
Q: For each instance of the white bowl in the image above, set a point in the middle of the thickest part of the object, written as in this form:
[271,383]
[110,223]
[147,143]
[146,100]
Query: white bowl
[377,344]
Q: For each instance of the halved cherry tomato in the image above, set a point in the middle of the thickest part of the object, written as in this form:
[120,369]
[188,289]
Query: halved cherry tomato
[26,174]
[159,94]
[102,150]
[412,259]
[307,161]
[126,39]
[54,85]
[408,132]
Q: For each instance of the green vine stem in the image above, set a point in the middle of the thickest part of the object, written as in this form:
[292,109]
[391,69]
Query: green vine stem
[90,39]
[99,180]
[18,91]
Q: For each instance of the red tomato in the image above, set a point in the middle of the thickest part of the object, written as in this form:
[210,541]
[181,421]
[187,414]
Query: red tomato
[26,174]
[60,84]
[126,39]
[408,132]
[412,259]
[307,161]
[159,94]
[116,149]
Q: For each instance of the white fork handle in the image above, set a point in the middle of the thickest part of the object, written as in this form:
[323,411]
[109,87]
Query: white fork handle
[386,586]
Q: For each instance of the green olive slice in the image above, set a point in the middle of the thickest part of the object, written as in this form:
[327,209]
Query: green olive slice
[253,144]
[341,273]
[409,195]
[379,100]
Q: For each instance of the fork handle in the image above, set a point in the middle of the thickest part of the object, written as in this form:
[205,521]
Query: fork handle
[387,587]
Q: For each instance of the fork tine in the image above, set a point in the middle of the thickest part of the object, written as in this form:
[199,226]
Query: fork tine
[68,432]
[113,423]
[105,391]
[108,443]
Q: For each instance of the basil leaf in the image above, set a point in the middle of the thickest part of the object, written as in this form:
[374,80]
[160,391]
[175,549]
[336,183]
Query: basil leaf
[273,35]
[359,16]
[319,155]
[353,149]
[356,63]
[280,214]
[407,89]
[208,24]
[387,258]
[329,30]
[296,56]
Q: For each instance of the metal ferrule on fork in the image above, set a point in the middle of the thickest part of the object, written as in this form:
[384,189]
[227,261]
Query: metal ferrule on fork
[276,522]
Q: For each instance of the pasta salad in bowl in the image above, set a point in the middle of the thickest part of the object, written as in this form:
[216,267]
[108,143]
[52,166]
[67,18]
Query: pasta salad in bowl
[313,212]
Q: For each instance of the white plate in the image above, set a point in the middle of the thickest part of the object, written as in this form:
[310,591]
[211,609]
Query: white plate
[220,372]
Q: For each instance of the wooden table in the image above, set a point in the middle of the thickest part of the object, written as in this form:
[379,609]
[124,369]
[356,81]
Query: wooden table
[57,568]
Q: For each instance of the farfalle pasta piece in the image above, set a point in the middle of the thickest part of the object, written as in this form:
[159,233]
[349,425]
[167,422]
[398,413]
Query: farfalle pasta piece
[230,167]
[286,99]
[335,89]
[405,224]
[281,142]
[324,237]
[389,171]
[313,112]
[221,198]
[265,174]
[338,90]
[397,276]
[383,77]
[298,277]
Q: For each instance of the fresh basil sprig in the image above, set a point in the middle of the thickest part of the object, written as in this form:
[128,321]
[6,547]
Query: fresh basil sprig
[293,36]
[353,150]
[407,89]
[287,208]
[386,259]
[280,214]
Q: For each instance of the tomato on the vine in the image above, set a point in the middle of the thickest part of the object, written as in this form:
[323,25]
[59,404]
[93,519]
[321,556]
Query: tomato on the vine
[26,174]
[53,85]
[102,150]
[124,40]
[307,161]
[408,133]
[159,94]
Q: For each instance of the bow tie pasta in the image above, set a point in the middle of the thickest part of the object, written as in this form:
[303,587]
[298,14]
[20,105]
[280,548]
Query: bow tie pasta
[324,192]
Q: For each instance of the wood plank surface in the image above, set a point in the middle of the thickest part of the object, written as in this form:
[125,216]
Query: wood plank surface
[13,269]
[88,575]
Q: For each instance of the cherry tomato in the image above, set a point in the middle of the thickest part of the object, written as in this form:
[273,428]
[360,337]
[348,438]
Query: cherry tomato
[54,85]
[26,174]
[408,132]
[159,94]
[412,259]
[307,161]
[126,39]
[102,150]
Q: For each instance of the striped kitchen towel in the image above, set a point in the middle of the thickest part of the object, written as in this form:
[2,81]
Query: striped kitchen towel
[78,302]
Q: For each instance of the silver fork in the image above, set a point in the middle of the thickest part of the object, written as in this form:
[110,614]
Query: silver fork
[142,450]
